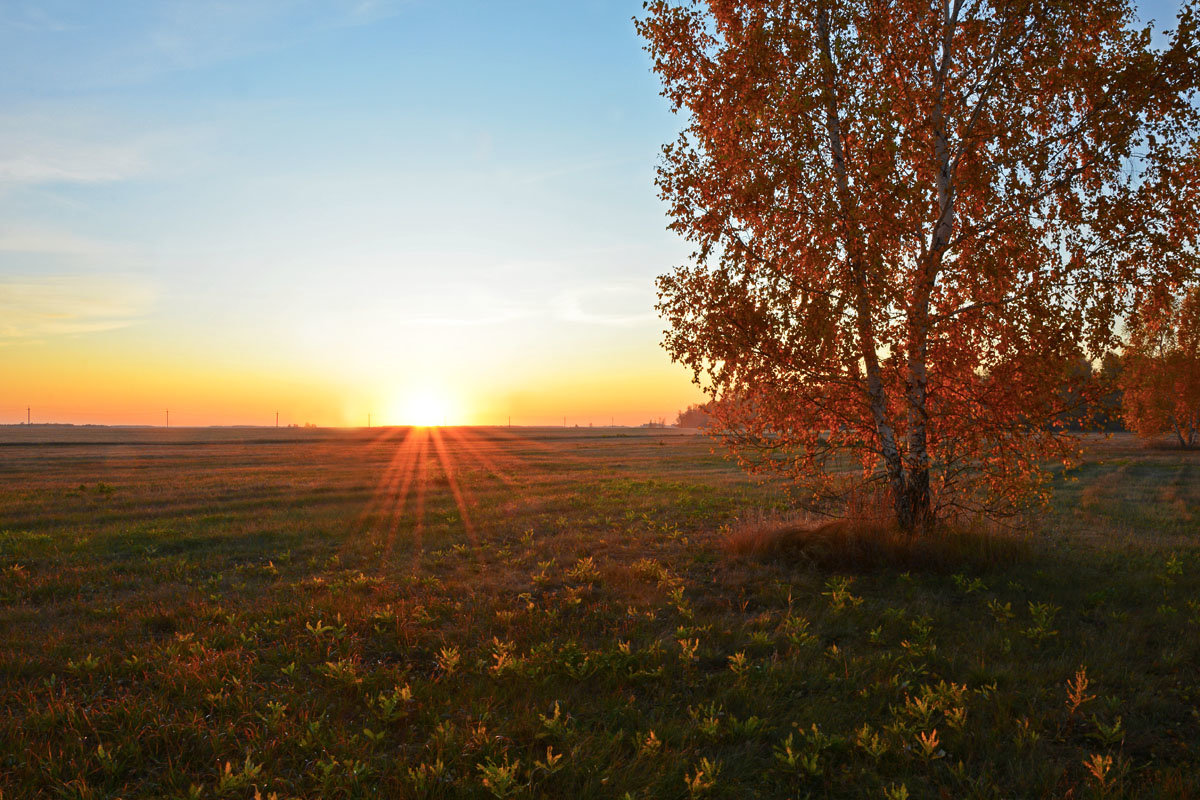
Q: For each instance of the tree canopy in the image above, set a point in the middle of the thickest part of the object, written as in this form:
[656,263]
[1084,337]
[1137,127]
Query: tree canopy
[909,218]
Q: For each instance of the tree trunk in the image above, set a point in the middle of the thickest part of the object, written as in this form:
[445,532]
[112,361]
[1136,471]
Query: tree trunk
[1178,431]
[913,504]
[852,241]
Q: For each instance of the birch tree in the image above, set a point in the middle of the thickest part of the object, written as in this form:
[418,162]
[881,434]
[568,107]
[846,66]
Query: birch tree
[908,217]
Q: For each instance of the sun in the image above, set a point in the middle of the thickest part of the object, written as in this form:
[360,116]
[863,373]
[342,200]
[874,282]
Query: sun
[425,407]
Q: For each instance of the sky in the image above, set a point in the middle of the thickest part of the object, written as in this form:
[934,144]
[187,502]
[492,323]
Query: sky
[412,209]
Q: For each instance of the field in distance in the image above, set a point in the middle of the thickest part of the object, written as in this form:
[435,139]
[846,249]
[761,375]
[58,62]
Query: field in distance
[495,612]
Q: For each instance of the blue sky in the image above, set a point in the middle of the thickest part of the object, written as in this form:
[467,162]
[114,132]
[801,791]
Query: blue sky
[334,204]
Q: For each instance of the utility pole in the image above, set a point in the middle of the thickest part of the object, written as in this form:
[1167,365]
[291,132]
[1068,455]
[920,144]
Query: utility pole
[168,413]
[27,415]
[368,419]
[564,422]
[276,419]
[510,420]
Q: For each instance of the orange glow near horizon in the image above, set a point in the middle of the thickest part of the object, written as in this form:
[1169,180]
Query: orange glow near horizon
[94,381]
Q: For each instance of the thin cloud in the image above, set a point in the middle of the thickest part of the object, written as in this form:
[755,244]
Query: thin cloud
[190,34]
[614,305]
[33,309]
[364,12]
[574,168]
[39,148]
[498,318]
[47,241]
[458,306]
[30,18]
[111,44]
[58,162]
[53,145]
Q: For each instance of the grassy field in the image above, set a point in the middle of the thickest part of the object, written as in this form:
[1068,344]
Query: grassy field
[554,613]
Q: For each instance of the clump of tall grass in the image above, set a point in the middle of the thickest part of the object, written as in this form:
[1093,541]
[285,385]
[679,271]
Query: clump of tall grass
[866,541]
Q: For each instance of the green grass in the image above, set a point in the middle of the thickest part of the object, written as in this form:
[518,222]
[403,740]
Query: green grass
[219,613]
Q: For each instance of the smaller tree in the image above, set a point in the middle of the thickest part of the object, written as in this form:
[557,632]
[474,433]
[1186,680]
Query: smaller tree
[696,415]
[1161,368]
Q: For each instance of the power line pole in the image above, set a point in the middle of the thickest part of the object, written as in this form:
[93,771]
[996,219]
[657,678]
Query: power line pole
[168,413]
[368,419]
[510,420]
[276,419]
[27,415]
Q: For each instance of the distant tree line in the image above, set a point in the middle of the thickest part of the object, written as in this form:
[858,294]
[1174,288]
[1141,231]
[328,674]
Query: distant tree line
[1091,395]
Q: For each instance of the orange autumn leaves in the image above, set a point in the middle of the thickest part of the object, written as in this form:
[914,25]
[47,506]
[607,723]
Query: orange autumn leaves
[909,219]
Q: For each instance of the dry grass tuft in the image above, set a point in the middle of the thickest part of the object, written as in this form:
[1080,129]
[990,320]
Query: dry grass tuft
[864,544]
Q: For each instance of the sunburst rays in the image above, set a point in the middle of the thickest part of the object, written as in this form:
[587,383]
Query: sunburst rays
[424,466]
[476,448]
[425,463]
